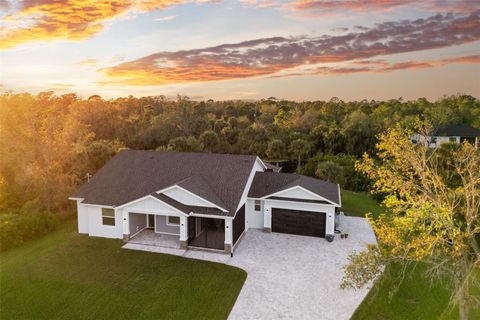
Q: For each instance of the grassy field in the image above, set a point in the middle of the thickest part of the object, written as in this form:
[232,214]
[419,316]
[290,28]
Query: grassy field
[416,298]
[359,203]
[70,276]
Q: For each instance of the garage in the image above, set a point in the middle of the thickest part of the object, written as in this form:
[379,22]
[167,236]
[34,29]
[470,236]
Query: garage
[305,223]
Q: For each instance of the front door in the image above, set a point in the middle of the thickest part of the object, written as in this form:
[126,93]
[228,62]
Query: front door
[151,221]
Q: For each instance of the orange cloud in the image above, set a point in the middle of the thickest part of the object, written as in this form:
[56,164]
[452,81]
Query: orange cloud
[269,56]
[69,19]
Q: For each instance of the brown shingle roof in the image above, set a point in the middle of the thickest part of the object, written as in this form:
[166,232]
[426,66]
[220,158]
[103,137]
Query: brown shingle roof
[132,174]
[266,183]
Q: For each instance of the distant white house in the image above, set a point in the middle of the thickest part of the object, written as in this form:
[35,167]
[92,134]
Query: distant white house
[449,134]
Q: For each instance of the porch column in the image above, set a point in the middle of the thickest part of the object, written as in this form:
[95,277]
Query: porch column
[125,223]
[267,219]
[183,232]
[228,235]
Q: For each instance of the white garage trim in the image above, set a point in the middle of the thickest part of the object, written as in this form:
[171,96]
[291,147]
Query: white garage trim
[328,209]
[303,189]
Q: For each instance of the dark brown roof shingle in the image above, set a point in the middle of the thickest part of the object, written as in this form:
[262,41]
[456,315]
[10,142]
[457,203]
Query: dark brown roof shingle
[132,174]
[266,183]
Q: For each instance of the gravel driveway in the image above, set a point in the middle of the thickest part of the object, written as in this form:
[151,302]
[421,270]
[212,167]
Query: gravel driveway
[296,277]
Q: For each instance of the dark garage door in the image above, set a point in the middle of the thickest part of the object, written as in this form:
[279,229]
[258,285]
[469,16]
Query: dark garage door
[303,223]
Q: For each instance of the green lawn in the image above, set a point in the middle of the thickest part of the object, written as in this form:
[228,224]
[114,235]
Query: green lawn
[416,298]
[71,276]
[359,203]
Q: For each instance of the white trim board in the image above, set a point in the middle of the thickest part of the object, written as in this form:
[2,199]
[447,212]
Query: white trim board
[158,200]
[301,188]
[192,194]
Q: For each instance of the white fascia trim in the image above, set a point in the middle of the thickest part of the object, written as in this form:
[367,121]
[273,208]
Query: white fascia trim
[193,214]
[339,196]
[152,197]
[302,188]
[300,202]
[262,163]
[193,194]
[76,199]
[99,205]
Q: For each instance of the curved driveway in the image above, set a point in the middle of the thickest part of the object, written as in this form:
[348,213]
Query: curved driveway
[297,277]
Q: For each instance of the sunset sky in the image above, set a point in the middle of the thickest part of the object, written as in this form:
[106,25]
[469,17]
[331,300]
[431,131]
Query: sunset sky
[248,49]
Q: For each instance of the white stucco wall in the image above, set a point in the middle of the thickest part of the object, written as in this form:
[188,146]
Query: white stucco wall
[253,219]
[90,222]
[82,217]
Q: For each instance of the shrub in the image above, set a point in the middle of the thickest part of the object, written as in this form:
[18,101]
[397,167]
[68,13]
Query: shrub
[330,171]
[349,178]
[18,227]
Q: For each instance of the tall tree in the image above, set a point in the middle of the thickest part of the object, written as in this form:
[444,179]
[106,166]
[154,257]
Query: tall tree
[209,141]
[434,214]
[299,149]
[276,150]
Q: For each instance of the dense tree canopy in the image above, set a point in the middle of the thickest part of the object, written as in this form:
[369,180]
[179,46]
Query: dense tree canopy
[49,143]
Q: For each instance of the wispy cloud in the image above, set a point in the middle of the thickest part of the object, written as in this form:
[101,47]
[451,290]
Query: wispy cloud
[262,57]
[166,18]
[324,7]
[87,62]
[379,66]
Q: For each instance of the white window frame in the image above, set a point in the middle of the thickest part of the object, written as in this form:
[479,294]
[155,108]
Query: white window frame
[108,217]
[259,203]
[172,223]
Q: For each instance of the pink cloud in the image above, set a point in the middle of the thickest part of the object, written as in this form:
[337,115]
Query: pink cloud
[268,56]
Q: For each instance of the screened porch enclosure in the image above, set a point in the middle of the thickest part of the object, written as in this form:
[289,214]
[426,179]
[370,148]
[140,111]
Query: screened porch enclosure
[206,233]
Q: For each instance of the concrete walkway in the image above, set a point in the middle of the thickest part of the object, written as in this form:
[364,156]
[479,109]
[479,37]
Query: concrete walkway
[291,277]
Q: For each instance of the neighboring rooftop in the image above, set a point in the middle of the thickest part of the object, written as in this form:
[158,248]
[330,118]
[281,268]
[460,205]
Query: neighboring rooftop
[272,167]
[132,174]
[457,130]
[266,183]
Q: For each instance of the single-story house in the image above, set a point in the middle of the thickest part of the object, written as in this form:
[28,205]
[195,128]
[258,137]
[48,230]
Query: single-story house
[204,200]
[449,134]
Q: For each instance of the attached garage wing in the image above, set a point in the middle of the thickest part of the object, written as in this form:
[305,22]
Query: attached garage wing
[305,223]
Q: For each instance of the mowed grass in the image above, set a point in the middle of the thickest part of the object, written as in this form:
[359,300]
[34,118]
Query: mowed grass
[416,297]
[70,276]
[358,203]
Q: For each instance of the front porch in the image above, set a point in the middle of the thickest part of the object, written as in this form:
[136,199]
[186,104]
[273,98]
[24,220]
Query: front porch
[206,233]
[149,237]
[194,232]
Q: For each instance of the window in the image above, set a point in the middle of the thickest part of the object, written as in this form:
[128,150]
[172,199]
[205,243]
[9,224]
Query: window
[175,221]
[108,217]
[258,205]
[452,139]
